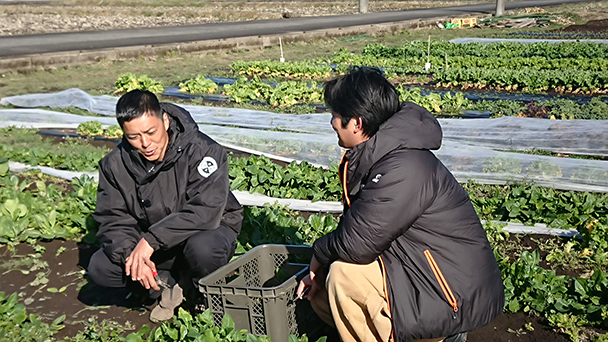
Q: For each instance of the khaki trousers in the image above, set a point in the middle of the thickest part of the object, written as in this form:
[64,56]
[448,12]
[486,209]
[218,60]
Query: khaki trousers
[354,302]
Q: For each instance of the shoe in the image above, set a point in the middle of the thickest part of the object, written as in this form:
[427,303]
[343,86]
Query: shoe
[170,298]
[460,337]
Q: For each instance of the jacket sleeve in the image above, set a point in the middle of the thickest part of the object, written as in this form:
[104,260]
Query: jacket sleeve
[382,211]
[206,193]
[118,230]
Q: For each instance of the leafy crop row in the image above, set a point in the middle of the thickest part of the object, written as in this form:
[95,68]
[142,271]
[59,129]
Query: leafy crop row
[531,204]
[524,79]
[566,302]
[440,48]
[447,104]
[290,93]
[298,181]
[86,161]
[31,209]
[129,81]
[521,203]
[561,109]
[283,94]
[342,60]
[415,64]
[199,85]
[595,109]
[528,204]
[94,128]
[298,70]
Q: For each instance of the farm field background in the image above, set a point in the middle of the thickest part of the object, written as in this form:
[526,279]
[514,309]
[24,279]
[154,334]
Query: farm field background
[556,286]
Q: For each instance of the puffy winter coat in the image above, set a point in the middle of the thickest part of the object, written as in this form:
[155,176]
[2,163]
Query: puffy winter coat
[188,191]
[405,209]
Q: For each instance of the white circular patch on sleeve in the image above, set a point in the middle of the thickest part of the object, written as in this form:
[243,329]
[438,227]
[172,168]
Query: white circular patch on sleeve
[207,166]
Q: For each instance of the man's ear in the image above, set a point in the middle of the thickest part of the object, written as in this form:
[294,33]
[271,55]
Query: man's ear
[166,121]
[358,123]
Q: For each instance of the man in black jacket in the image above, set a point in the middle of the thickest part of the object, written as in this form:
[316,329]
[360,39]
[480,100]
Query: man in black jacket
[164,204]
[409,259]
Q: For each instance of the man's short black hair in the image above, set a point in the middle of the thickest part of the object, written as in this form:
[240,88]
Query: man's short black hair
[362,93]
[135,104]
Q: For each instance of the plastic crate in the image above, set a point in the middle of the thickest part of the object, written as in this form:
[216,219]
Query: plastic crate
[469,22]
[258,290]
[457,22]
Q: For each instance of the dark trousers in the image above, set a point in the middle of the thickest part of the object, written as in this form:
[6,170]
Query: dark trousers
[198,256]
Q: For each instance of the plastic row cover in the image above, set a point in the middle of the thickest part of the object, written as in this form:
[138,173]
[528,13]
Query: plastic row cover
[588,137]
[466,161]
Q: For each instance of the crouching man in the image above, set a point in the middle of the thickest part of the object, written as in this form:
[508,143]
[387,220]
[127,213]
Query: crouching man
[164,204]
[409,260]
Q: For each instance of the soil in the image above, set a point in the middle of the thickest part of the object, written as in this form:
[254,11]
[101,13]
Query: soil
[57,137]
[592,26]
[81,305]
[83,301]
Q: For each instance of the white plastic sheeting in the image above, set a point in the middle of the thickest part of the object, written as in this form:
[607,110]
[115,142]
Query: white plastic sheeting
[470,148]
[20,167]
[586,137]
[506,133]
[103,105]
[106,105]
[41,118]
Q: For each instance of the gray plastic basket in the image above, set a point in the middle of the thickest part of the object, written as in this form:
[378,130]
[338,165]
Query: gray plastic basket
[258,291]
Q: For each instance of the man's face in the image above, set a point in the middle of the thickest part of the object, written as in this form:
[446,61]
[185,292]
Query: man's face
[349,136]
[148,135]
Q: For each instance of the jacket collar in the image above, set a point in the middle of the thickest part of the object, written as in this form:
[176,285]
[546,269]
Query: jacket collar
[181,128]
[412,127]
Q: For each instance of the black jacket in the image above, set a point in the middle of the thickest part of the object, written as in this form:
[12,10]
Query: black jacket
[170,202]
[405,209]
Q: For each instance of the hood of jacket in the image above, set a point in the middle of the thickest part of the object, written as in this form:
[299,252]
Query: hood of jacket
[181,129]
[412,127]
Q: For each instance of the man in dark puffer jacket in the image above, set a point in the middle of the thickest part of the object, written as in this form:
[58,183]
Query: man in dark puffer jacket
[164,204]
[409,260]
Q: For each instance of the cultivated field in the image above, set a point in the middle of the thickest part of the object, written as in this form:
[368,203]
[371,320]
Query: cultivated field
[555,286]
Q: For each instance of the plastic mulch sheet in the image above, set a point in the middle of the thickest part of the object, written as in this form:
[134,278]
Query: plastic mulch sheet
[473,149]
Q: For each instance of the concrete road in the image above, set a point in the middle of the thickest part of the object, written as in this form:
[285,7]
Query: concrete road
[13,46]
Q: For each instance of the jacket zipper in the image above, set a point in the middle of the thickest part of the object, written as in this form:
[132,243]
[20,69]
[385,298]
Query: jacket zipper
[445,287]
[342,177]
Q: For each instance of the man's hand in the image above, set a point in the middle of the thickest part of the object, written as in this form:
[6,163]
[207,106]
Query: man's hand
[147,279]
[139,266]
[313,281]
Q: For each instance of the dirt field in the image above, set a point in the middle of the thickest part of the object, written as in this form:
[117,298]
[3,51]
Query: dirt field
[90,303]
[34,18]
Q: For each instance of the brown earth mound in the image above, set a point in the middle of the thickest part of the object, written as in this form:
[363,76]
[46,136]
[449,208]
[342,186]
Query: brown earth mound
[595,26]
